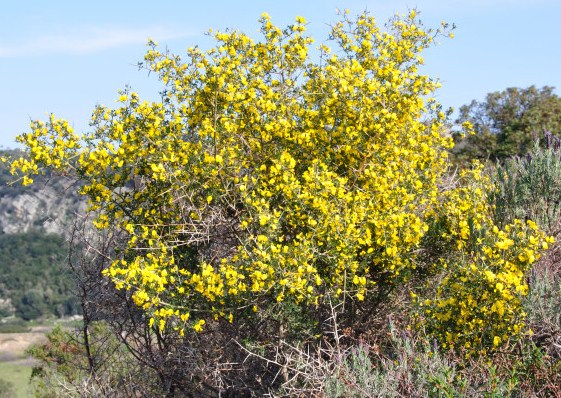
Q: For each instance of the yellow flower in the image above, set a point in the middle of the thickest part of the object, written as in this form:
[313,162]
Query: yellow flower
[198,327]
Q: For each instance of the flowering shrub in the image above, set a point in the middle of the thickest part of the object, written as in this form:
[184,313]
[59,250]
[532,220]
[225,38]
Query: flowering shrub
[264,177]
[478,302]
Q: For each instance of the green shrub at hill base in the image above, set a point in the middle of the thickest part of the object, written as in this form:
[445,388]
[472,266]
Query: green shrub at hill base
[266,180]
[62,366]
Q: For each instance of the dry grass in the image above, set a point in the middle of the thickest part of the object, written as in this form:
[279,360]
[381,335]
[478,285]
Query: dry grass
[13,345]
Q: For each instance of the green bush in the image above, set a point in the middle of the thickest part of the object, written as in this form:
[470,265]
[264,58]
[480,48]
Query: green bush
[529,187]
[67,366]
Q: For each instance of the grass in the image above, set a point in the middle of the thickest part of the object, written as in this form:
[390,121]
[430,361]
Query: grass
[15,367]
[14,327]
[18,375]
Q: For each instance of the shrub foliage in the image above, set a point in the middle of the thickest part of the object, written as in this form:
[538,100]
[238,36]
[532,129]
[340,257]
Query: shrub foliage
[262,174]
[269,187]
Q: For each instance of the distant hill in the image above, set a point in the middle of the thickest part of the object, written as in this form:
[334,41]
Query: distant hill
[33,279]
[34,224]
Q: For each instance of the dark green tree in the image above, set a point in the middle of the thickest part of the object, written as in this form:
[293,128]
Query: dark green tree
[506,122]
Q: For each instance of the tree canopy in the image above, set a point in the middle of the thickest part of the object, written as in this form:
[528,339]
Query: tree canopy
[506,122]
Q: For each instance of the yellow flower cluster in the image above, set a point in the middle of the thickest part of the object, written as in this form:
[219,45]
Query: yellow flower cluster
[53,145]
[477,307]
[262,175]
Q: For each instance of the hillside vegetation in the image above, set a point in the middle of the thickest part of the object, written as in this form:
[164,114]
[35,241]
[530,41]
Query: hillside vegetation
[34,279]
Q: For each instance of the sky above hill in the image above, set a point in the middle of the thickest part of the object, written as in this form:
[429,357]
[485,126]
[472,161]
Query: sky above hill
[65,57]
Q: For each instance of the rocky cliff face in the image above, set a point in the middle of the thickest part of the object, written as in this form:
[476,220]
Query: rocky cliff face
[49,209]
[49,205]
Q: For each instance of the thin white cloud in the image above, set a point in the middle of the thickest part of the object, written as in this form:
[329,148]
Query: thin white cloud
[439,6]
[477,5]
[87,40]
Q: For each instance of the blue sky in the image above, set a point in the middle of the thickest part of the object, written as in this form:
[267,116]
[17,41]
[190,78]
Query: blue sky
[67,56]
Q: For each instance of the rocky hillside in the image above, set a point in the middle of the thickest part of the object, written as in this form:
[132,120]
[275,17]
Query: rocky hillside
[34,224]
[48,206]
